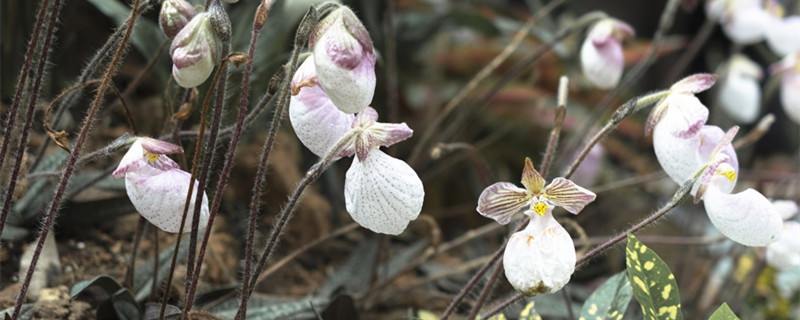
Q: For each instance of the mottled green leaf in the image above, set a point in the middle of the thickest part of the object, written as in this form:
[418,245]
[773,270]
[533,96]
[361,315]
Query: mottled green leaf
[529,312]
[653,284]
[723,313]
[610,300]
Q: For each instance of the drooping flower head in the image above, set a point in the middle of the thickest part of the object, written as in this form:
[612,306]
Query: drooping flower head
[195,51]
[540,258]
[784,254]
[156,186]
[789,70]
[740,94]
[382,193]
[174,15]
[602,59]
[345,60]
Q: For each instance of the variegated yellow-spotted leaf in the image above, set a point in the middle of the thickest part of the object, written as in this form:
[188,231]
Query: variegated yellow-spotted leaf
[653,284]
[529,312]
[498,316]
[610,300]
[723,313]
[425,315]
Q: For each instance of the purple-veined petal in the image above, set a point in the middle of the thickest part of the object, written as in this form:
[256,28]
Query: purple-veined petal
[684,115]
[746,217]
[677,156]
[693,84]
[194,52]
[160,199]
[317,122]
[502,200]
[382,193]
[784,254]
[387,134]
[376,134]
[568,195]
[540,258]
[532,179]
[786,208]
[159,147]
[713,138]
[783,35]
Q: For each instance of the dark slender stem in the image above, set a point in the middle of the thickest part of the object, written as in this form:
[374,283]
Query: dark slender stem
[21,84]
[568,302]
[32,98]
[48,221]
[486,289]
[503,305]
[391,63]
[474,280]
[157,262]
[137,239]
[558,123]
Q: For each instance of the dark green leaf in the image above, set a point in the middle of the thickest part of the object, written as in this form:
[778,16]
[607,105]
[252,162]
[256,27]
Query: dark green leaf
[273,310]
[723,313]
[610,300]
[653,284]
[125,307]
[353,275]
[97,289]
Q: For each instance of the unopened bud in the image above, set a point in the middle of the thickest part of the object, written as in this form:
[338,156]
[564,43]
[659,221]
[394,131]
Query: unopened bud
[175,14]
[195,51]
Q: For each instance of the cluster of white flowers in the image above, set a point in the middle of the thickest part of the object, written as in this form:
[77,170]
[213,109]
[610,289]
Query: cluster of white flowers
[684,144]
[333,84]
[195,47]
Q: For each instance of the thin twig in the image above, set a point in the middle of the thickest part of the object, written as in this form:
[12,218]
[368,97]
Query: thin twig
[486,289]
[558,123]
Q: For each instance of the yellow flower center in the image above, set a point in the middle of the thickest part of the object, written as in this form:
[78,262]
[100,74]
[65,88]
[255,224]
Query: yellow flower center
[152,157]
[540,207]
[728,173]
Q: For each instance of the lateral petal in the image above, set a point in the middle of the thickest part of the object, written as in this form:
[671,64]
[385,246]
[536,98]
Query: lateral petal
[568,195]
[746,217]
[502,200]
[382,193]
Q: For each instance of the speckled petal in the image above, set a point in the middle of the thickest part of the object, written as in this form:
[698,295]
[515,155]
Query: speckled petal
[568,195]
[541,258]
[746,217]
[784,254]
[160,199]
[677,156]
[132,161]
[316,121]
[502,200]
[383,193]
[684,116]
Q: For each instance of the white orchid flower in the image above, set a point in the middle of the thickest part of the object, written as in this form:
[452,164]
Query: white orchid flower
[194,51]
[743,21]
[789,71]
[157,187]
[345,60]
[781,31]
[174,15]
[540,258]
[740,93]
[784,254]
[382,193]
[602,59]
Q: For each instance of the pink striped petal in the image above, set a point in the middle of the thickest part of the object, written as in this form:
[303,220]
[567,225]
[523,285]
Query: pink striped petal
[746,217]
[502,200]
[568,195]
[160,199]
[382,193]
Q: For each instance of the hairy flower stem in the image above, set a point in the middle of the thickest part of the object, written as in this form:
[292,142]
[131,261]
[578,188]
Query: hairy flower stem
[312,175]
[486,289]
[558,123]
[628,108]
[195,165]
[51,213]
[222,28]
[680,195]
[53,12]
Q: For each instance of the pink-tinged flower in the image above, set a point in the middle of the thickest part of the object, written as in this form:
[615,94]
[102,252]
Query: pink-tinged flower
[782,33]
[345,60]
[381,193]
[743,21]
[175,14]
[789,70]
[675,122]
[315,119]
[602,60]
[541,258]
[195,51]
[784,254]
[740,93]
[156,186]
[587,173]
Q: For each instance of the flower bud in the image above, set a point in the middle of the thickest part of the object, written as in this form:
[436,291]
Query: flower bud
[601,53]
[175,14]
[195,51]
[345,60]
[740,93]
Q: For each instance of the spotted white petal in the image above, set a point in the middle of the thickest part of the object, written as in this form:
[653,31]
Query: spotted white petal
[540,258]
[746,217]
[677,156]
[783,35]
[160,199]
[684,115]
[502,200]
[568,195]
[784,254]
[383,193]
[316,121]
[146,157]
